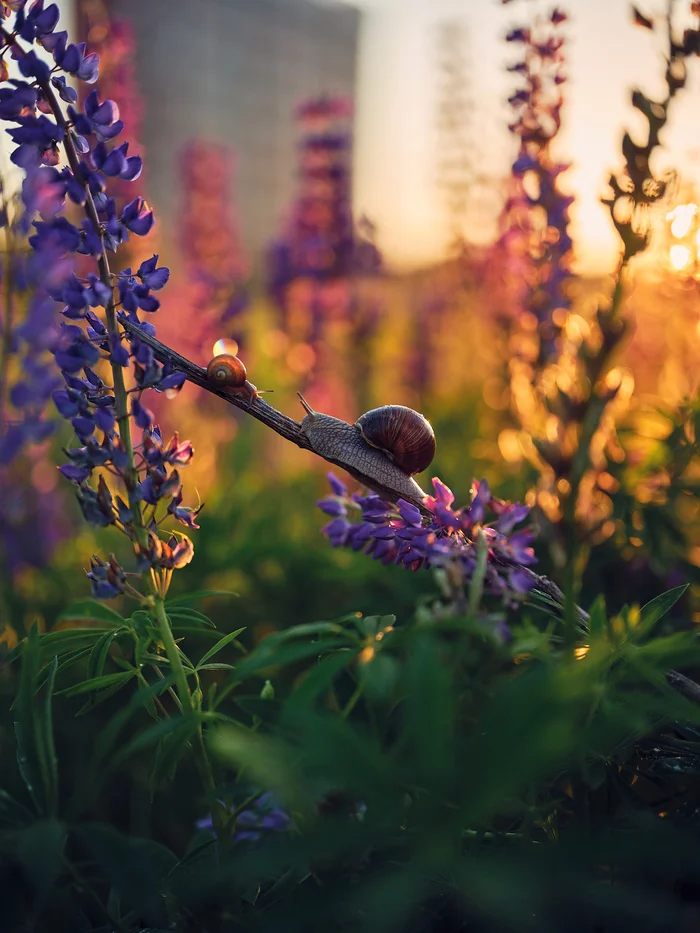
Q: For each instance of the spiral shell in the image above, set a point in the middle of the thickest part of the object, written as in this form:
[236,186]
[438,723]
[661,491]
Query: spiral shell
[226,370]
[404,435]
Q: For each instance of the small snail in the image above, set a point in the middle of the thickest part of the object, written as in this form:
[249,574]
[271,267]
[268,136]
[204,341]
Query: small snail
[228,372]
[387,444]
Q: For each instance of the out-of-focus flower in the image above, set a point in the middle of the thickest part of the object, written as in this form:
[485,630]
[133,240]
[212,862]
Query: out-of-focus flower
[315,264]
[263,816]
[535,243]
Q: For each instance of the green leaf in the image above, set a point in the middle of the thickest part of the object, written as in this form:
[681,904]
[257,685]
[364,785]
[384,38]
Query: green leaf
[308,628]
[61,642]
[98,655]
[47,741]
[90,610]
[98,683]
[180,724]
[653,611]
[193,597]
[98,698]
[266,761]
[170,750]
[190,615]
[36,755]
[274,654]
[216,666]
[227,639]
[598,619]
[319,678]
[110,734]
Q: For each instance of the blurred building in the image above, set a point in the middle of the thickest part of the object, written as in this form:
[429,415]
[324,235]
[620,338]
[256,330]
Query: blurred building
[232,71]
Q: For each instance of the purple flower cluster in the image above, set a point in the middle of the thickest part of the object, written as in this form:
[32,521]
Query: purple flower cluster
[211,244]
[318,240]
[27,340]
[95,306]
[263,816]
[449,538]
[536,214]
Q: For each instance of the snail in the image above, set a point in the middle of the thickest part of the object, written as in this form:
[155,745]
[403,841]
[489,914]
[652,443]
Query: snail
[387,444]
[228,372]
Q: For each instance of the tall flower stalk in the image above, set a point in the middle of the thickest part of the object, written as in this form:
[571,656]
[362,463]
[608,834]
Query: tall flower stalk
[583,392]
[314,265]
[536,214]
[69,153]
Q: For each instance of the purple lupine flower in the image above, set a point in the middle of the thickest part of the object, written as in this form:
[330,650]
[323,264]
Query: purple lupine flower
[535,218]
[264,815]
[400,534]
[312,264]
[45,135]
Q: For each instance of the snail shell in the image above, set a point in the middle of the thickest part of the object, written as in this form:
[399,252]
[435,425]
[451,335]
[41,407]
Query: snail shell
[342,443]
[226,370]
[404,435]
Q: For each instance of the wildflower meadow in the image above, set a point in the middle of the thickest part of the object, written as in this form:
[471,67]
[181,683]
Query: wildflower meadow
[337,595]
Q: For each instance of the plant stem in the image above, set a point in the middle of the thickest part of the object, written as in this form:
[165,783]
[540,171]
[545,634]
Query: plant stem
[188,706]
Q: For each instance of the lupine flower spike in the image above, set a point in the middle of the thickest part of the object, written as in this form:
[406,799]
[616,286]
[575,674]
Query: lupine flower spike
[450,538]
[70,153]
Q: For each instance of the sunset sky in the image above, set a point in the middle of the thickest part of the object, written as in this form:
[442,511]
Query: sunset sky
[396,139]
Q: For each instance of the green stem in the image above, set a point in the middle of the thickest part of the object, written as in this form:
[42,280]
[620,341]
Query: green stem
[187,702]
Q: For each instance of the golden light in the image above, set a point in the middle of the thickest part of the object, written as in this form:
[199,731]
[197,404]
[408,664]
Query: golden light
[225,345]
[682,219]
[679,256]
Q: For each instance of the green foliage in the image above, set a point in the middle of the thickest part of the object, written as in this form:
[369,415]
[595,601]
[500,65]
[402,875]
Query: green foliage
[437,778]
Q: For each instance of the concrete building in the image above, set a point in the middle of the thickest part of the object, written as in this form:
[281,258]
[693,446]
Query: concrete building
[232,71]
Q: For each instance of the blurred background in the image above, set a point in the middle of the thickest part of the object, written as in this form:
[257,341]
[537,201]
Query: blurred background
[333,185]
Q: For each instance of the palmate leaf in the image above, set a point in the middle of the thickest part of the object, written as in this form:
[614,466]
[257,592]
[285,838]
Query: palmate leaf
[33,721]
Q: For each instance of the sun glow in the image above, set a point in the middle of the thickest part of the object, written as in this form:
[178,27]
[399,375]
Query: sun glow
[225,345]
[679,256]
[681,218]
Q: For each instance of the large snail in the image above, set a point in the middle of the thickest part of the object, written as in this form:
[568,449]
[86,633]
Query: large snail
[228,372]
[387,444]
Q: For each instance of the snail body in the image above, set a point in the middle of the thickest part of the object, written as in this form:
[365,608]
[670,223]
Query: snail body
[228,372]
[344,444]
